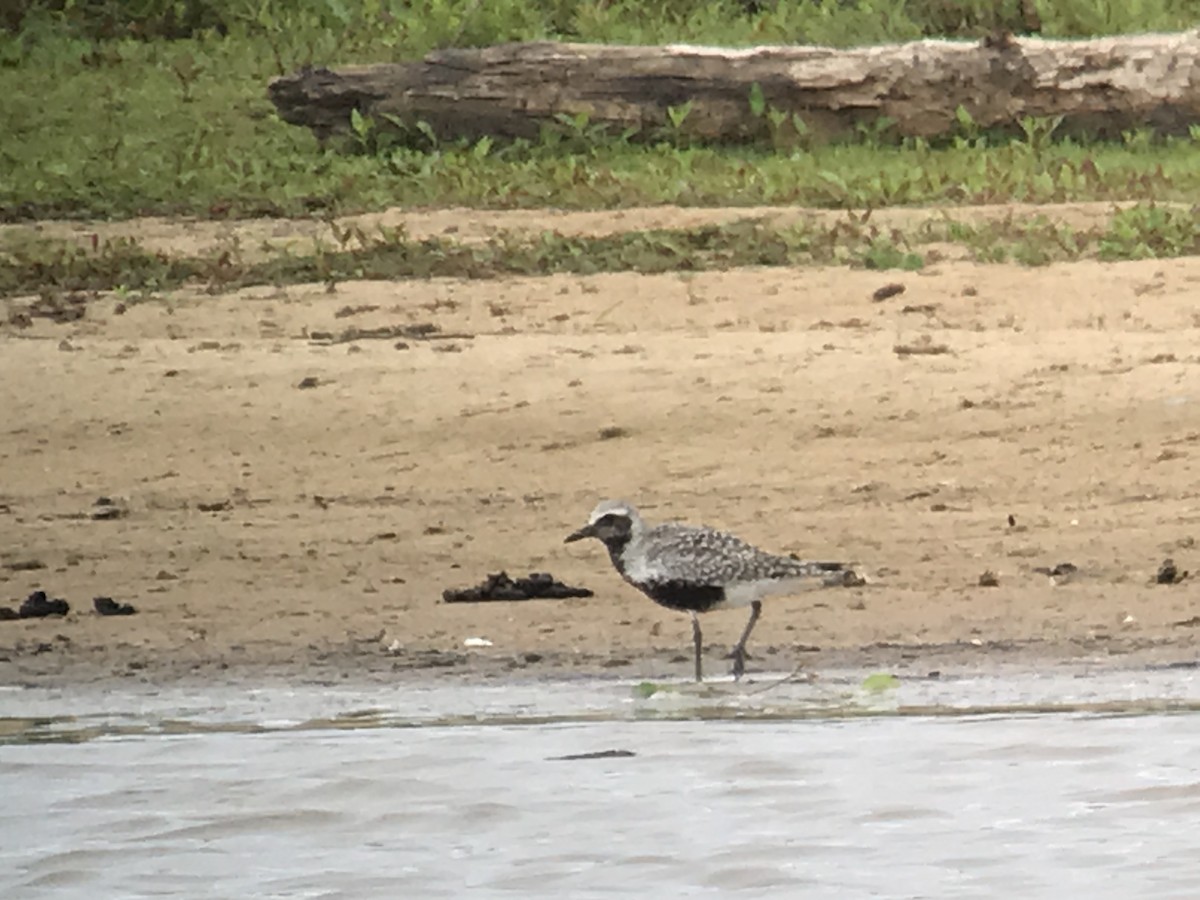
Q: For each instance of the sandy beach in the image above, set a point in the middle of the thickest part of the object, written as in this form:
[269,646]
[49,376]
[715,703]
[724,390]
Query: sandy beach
[989,419]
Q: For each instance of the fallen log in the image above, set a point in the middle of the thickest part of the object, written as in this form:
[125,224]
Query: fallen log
[1100,86]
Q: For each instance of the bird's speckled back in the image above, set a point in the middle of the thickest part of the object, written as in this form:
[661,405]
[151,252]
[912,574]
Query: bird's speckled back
[708,556]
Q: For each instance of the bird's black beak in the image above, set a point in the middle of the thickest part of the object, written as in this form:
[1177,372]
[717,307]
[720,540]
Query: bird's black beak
[586,531]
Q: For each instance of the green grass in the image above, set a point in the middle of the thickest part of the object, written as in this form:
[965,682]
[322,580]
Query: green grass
[30,264]
[409,27]
[99,122]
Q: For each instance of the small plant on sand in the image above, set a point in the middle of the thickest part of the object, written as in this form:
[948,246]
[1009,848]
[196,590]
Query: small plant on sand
[30,263]
[1150,231]
[884,252]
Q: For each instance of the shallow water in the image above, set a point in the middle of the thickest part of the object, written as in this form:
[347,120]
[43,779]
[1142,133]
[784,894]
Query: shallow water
[982,787]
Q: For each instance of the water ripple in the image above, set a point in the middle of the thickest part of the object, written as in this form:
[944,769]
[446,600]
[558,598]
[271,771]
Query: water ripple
[970,789]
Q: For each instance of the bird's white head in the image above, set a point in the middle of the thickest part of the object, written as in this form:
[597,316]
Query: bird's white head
[612,521]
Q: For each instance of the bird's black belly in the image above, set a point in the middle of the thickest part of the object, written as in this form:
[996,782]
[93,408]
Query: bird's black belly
[687,596]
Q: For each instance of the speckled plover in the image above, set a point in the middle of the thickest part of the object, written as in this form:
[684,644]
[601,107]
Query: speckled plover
[696,569]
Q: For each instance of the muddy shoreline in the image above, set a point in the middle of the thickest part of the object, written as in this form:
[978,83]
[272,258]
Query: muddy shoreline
[277,506]
[364,663]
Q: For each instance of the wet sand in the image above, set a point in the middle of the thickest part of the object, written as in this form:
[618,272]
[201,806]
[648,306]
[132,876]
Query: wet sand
[264,530]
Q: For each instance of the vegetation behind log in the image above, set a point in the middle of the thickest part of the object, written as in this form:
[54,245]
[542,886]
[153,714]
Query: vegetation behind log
[115,108]
[408,28]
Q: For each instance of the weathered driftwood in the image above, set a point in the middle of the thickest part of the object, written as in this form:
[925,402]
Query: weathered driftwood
[1100,86]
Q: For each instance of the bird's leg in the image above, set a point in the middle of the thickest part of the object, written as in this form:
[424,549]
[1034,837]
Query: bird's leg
[697,641]
[739,649]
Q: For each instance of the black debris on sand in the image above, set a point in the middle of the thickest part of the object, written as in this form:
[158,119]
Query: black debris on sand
[1060,570]
[888,290]
[1168,573]
[107,606]
[37,606]
[538,586]
[847,578]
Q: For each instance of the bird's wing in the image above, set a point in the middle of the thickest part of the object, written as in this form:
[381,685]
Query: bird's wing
[709,556]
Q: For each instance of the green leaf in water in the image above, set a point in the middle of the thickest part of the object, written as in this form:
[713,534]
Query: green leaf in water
[645,690]
[879,682]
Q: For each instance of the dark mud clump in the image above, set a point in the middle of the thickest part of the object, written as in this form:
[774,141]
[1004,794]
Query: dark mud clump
[1168,573]
[107,606]
[887,291]
[58,308]
[1059,570]
[538,586]
[848,578]
[107,509]
[37,606]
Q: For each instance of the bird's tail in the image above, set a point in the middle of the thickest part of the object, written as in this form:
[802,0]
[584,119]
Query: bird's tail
[804,568]
[831,574]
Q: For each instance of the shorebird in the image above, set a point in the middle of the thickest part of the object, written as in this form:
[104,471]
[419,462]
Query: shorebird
[696,569]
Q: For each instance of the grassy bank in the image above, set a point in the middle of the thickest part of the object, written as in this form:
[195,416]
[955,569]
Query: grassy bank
[121,109]
[33,264]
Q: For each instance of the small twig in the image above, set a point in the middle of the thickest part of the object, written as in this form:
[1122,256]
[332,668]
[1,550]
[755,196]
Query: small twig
[926,349]
[774,684]
[603,314]
[387,333]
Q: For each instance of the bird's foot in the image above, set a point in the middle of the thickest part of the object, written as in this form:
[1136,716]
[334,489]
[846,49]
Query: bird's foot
[739,656]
